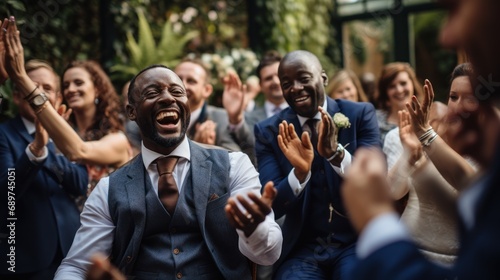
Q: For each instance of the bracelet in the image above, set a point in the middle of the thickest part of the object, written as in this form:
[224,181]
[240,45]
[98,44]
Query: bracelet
[426,134]
[31,93]
[41,108]
[430,140]
[338,151]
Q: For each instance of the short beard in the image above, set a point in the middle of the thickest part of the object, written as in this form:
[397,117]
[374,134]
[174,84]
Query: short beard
[171,142]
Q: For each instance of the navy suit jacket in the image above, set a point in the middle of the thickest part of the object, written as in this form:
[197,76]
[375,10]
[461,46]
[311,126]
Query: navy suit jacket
[274,166]
[479,253]
[47,217]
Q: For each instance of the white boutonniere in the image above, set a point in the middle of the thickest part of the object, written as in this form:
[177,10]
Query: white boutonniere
[341,121]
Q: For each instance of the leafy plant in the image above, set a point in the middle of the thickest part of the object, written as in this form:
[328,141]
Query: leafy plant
[145,51]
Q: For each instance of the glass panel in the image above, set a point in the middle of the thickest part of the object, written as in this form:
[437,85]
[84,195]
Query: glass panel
[429,58]
[350,9]
[375,5]
[413,2]
[368,45]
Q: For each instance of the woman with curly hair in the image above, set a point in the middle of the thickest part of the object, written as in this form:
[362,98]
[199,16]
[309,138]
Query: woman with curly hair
[396,86]
[96,117]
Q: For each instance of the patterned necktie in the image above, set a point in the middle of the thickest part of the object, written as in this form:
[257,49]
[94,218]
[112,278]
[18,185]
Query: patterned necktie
[310,126]
[167,188]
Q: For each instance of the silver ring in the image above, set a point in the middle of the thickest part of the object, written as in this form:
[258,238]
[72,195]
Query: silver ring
[4,30]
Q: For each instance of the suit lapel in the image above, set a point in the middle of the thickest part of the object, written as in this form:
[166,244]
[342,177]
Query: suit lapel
[18,126]
[136,194]
[201,168]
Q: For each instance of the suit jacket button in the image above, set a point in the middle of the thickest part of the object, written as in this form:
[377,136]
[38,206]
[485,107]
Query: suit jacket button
[129,259]
[176,251]
[178,275]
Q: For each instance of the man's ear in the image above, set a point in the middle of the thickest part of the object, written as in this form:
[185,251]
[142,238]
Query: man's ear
[208,91]
[324,77]
[131,112]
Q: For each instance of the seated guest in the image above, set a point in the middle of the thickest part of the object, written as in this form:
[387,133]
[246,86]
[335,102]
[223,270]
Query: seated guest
[307,170]
[345,85]
[396,86]
[39,186]
[208,124]
[178,209]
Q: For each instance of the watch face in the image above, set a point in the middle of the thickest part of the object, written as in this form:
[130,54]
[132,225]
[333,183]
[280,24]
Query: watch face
[39,100]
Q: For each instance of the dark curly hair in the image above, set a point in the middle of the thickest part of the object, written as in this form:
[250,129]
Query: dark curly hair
[109,114]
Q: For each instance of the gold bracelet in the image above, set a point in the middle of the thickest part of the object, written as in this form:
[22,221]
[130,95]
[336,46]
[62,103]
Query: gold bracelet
[41,108]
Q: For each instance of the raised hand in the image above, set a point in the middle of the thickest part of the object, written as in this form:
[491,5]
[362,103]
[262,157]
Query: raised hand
[420,113]
[254,213]
[408,138]
[14,59]
[205,133]
[234,97]
[64,111]
[40,141]
[299,152]
[365,190]
[3,73]
[327,135]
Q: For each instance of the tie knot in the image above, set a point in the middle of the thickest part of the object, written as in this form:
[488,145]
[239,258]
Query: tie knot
[312,123]
[166,165]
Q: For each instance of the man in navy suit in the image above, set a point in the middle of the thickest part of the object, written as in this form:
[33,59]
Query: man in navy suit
[40,185]
[384,248]
[318,237]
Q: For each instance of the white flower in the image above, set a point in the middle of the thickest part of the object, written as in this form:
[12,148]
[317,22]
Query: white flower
[341,121]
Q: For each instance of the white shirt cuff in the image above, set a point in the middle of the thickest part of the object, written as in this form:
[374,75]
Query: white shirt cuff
[344,165]
[294,183]
[381,231]
[34,158]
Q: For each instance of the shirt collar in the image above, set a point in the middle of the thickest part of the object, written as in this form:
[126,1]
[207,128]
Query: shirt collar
[182,151]
[269,107]
[302,119]
[30,127]
[194,117]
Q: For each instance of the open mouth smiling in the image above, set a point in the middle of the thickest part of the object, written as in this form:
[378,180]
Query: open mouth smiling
[167,118]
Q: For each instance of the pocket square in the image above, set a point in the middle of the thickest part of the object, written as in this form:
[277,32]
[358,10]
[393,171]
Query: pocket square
[213,197]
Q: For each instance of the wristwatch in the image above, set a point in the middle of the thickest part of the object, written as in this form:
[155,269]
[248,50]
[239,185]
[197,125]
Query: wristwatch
[37,101]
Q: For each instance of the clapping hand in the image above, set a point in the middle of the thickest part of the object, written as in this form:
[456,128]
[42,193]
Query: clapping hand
[40,141]
[255,213]
[3,73]
[102,269]
[365,190]
[299,152]
[205,133]
[408,138]
[327,135]
[234,98]
[420,113]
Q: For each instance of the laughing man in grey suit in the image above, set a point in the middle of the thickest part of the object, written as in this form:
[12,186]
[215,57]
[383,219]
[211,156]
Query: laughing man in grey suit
[220,218]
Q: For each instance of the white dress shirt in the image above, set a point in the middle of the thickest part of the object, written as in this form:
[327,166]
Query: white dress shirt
[97,228]
[294,183]
[271,109]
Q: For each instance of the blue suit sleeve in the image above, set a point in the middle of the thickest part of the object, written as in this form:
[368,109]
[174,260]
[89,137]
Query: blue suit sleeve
[71,176]
[368,130]
[271,168]
[399,260]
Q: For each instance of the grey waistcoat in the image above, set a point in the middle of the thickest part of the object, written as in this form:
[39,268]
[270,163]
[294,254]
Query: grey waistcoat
[146,236]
